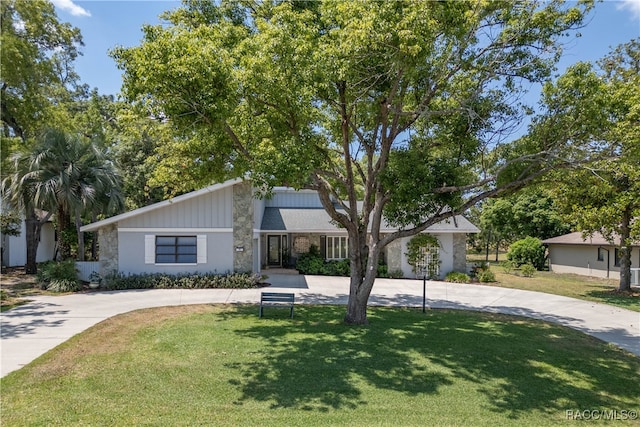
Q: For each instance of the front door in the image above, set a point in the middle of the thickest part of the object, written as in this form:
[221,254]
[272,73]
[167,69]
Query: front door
[274,251]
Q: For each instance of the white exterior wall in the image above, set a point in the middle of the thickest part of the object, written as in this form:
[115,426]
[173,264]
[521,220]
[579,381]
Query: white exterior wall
[131,253]
[583,260]
[15,247]
[446,255]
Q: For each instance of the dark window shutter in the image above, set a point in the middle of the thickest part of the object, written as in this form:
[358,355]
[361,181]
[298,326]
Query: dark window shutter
[323,247]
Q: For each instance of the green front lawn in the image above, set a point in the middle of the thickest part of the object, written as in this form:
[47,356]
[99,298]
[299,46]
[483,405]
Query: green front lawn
[569,285]
[221,365]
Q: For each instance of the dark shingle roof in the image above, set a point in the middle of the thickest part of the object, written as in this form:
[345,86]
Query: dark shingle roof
[318,220]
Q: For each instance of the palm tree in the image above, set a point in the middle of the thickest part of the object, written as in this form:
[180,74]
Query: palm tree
[17,191]
[69,176]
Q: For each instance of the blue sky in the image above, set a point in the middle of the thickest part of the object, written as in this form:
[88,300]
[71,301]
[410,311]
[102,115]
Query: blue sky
[108,23]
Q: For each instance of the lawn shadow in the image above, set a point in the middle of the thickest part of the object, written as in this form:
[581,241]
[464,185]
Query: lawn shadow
[315,362]
[311,364]
[614,297]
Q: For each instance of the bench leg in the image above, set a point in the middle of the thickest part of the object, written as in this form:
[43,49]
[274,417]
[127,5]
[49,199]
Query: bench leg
[260,313]
[292,312]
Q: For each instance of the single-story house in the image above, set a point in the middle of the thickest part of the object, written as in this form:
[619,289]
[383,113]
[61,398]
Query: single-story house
[225,228]
[588,256]
[14,248]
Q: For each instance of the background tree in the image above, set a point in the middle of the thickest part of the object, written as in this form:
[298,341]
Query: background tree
[17,190]
[66,175]
[142,146]
[530,212]
[402,105]
[603,197]
[36,75]
[36,56]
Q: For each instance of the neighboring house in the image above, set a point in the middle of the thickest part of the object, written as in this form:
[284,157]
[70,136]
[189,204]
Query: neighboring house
[224,228]
[14,248]
[590,256]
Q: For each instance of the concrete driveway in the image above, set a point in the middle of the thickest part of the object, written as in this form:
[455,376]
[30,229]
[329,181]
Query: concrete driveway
[33,329]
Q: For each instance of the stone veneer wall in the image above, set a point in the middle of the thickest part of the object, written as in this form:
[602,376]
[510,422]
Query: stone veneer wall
[460,253]
[394,256]
[108,243]
[242,228]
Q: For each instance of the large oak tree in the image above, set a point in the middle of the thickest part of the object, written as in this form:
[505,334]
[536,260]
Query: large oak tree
[406,106]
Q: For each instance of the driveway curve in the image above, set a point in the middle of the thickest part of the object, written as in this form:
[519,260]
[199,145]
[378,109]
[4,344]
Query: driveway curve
[33,329]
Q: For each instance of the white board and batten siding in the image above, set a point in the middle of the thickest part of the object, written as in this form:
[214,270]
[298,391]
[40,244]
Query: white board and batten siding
[211,210]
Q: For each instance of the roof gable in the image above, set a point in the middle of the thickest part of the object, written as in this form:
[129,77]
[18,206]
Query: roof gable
[163,204]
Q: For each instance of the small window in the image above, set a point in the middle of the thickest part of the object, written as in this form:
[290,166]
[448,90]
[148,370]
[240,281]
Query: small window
[600,254]
[176,250]
[337,247]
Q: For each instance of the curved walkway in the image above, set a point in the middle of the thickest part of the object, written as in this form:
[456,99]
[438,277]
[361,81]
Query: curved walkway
[33,329]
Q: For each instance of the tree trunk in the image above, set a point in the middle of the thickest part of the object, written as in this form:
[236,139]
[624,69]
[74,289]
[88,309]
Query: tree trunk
[78,222]
[33,227]
[64,248]
[362,281]
[94,240]
[625,251]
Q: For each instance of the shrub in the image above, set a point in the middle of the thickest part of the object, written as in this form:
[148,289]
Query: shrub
[508,266]
[528,251]
[310,263]
[527,270]
[336,268]
[313,263]
[59,276]
[182,281]
[396,274]
[486,276]
[3,295]
[457,277]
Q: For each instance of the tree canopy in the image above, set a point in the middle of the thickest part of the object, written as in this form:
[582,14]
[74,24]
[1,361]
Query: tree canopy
[36,56]
[405,106]
[604,100]
[531,212]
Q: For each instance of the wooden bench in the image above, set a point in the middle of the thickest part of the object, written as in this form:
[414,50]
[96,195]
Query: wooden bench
[276,299]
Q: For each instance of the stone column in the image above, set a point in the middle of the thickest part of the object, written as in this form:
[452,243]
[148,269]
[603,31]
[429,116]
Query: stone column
[108,246]
[242,228]
[394,256]
[460,252]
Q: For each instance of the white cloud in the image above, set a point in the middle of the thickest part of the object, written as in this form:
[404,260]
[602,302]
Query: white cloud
[632,5]
[71,7]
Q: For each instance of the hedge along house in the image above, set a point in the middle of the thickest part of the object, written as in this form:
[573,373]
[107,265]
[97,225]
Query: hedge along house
[226,228]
